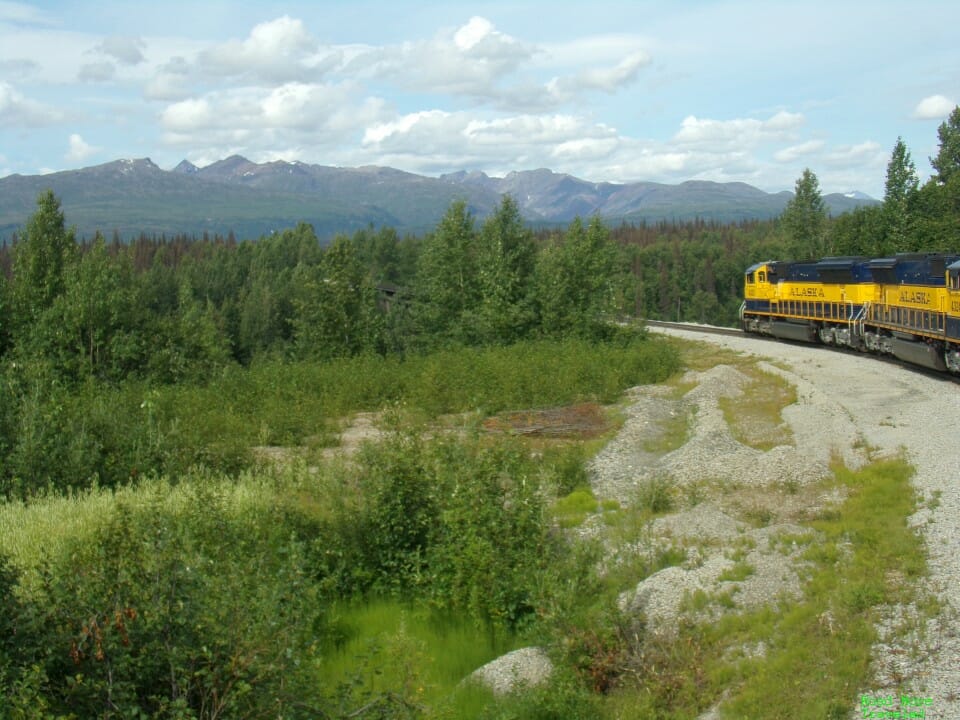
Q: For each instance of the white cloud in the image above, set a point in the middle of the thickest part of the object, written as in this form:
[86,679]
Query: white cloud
[583,51]
[470,60]
[97,72]
[585,149]
[434,140]
[609,79]
[488,66]
[126,50]
[473,32]
[18,67]
[16,12]
[865,153]
[188,115]
[18,110]
[253,121]
[276,51]
[792,153]
[935,107]
[300,105]
[79,150]
[171,81]
[293,105]
[740,132]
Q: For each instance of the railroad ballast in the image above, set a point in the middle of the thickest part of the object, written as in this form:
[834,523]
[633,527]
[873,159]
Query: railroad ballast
[907,305]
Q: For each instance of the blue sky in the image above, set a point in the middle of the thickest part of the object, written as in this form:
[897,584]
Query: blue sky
[747,90]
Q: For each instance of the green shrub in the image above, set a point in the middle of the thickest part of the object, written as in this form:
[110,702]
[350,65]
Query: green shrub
[203,611]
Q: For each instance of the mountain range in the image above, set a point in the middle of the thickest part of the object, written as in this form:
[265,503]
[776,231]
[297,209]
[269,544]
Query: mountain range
[250,199]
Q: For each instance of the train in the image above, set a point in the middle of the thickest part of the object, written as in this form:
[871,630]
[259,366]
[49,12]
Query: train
[906,305]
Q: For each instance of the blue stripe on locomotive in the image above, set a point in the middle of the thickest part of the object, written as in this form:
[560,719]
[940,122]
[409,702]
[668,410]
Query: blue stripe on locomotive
[758,306]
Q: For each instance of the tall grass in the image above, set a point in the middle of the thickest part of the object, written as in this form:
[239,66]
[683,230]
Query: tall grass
[287,403]
[438,651]
[32,532]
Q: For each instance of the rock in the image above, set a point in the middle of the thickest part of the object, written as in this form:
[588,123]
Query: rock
[526,667]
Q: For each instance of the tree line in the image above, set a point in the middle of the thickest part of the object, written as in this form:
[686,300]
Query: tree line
[173,311]
[78,319]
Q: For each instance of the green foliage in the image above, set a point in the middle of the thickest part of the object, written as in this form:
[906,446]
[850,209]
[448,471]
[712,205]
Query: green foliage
[459,522]
[899,201]
[481,563]
[693,272]
[805,219]
[5,314]
[198,612]
[947,160]
[401,511]
[564,698]
[864,231]
[446,281]
[41,260]
[575,282]
[54,435]
[505,263]
[335,306]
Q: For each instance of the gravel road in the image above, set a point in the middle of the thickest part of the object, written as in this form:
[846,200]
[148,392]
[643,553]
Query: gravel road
[891,407]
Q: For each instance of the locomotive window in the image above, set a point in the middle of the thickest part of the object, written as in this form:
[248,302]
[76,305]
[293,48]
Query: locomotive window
[750,278]
[761,276]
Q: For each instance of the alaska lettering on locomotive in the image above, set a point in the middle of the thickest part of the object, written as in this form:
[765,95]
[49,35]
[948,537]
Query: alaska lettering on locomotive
[917,297]
[806,292]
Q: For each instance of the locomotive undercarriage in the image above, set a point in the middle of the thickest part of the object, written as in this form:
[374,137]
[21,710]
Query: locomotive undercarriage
[904,346]
[952,358]
[840,335]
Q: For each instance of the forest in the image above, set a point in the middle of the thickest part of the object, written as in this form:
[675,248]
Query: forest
[153,563]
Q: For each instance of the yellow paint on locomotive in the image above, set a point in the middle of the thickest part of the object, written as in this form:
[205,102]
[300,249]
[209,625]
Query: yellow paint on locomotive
[917,297]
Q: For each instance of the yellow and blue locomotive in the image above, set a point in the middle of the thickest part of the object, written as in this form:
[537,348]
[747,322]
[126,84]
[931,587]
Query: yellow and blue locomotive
[907,305]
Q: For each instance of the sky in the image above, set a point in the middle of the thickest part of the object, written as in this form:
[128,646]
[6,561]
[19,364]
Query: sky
[750,91]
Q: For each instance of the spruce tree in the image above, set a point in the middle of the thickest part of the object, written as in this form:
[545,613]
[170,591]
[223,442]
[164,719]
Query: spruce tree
[805,219]
[898,201]
[947,160]
[41,259]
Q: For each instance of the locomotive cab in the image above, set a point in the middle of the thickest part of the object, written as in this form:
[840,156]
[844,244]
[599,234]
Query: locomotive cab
[759,281]
[759,288]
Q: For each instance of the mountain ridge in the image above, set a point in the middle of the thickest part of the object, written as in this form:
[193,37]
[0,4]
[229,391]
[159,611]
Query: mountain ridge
[131,196]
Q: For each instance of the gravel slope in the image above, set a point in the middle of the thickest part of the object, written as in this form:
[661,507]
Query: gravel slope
[890,407]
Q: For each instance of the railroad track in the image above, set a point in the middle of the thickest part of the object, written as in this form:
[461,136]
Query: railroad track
[693,327]
[715,330]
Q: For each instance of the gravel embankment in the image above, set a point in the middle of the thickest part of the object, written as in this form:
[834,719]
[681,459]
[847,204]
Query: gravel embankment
[842,398]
